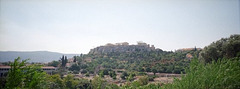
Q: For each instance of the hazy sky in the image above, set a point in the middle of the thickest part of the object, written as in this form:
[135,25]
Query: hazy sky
[76,26]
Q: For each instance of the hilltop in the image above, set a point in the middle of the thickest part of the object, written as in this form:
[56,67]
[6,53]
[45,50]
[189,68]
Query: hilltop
[123,48]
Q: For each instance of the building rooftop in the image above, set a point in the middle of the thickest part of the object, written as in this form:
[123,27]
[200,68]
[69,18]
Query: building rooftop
[5,66]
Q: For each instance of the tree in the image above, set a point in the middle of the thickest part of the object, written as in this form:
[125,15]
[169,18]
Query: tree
[66,60]
[84,71]
[75,59]
[112,73]
[22,76]
[70,82]
[74,67]
[54,63]
[98,83]
[140,69]
[148,69]
[224,48]
[84,84]
[56,82]
[124,75]
[154,71]
[84,66]
[63,61]
[105,72]
[16,75]
[35,77]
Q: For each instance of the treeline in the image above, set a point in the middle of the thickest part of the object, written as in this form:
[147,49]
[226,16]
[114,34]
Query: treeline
[222,74]
[223,48]
[23,76]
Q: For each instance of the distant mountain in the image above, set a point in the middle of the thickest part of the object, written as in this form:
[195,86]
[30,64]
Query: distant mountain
[35,56]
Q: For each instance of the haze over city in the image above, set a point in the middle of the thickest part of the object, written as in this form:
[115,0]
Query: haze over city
[78,26]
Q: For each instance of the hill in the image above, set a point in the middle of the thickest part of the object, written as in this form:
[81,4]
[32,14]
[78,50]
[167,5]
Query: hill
[123,48]
[139,58]
[35,56]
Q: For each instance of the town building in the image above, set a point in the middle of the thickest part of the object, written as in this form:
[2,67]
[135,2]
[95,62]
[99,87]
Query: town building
[4,70]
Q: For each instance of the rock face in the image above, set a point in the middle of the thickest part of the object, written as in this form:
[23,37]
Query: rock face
[122,47]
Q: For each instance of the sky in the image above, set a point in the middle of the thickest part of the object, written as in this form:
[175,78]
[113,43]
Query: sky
[76,26]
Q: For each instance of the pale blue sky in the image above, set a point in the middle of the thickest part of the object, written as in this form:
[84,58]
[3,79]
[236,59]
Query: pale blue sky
[76,26]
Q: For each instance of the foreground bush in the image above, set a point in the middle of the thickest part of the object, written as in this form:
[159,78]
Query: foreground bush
[223,74]
[28,77]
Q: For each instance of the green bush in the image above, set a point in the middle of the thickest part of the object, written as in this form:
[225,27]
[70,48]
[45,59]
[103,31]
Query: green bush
[222,74]
[87,74]
[75,72]
[141,73]
[143,80]
[151,78]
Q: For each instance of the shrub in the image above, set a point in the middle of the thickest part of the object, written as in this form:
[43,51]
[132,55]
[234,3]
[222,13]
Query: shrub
[222,74]
[151,78]
[143,80]
[75,72]
[84,71]
[87,74]
[142,73]
[98,83]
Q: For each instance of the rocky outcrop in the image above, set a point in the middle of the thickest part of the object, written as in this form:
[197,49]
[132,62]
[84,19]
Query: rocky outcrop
[122,47]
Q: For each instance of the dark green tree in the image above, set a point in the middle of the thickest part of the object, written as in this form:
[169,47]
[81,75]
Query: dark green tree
[98,83]
[66,60]
[154,71]
[63,61]
[54,63]
[70,82]
[75,59]
[124,75]
[74,67]
[22,76]
[56,82]
[148,69]
[16,74]
[224,48]
[84,71]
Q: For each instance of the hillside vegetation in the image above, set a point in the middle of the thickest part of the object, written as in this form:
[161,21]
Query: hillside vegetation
[217,66]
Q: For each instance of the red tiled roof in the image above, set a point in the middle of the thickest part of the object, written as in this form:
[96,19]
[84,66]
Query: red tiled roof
[49,67]
[5,66]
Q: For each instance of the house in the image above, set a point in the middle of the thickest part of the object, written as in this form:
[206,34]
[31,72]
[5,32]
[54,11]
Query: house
[4,70]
